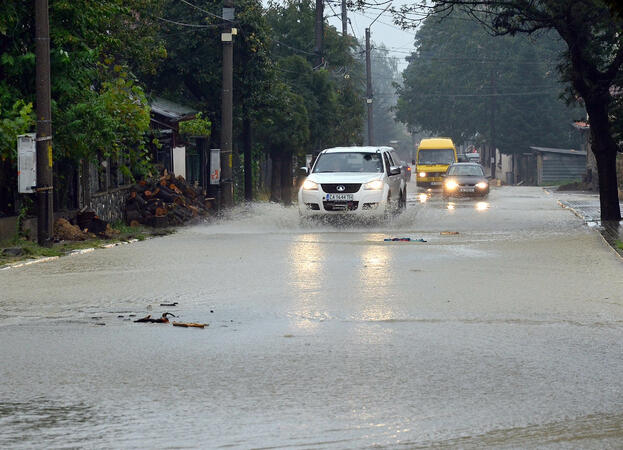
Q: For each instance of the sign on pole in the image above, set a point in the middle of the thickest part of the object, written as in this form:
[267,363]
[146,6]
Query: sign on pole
[215,166]
[26,163]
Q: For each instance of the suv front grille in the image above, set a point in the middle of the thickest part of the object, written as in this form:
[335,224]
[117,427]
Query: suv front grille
[349,188]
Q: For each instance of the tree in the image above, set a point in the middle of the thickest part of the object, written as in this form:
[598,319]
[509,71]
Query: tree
[284,130]
[94,49]
[464,83]
[385,78]
[592,62]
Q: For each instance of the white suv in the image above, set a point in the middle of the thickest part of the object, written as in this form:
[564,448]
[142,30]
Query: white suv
[354,180]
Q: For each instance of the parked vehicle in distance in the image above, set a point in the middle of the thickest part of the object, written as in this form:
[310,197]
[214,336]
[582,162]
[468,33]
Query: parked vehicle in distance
[465,179]
[433,157]
[407,170]
[354,180]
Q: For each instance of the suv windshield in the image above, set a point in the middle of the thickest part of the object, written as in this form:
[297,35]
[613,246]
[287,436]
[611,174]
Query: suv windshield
[435,156]
[349,162]
[466,170]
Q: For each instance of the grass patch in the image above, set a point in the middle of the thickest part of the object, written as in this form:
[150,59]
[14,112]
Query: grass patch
[619,244]
[32,250]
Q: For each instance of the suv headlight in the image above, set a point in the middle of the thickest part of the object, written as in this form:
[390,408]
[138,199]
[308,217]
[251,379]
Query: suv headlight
[309,185]
[375,185]
[481,185]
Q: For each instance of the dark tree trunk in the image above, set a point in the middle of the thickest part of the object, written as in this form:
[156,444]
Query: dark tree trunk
[605,151]
[286,179]
[248,163]
[275,179]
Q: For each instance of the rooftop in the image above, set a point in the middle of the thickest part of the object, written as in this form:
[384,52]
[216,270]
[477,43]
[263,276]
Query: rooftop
[564,151]
[171,110]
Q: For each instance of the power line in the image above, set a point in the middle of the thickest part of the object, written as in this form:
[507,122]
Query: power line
[500,94]
[294,48]
[205,11]
[191,25]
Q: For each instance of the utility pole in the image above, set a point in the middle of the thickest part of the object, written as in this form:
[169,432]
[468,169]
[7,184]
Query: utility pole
[45,206]
[369,89]
[493,137]
[227,182]
[319,31]
[344,20]
[369,92]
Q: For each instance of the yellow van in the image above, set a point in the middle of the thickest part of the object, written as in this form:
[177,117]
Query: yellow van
[434,155]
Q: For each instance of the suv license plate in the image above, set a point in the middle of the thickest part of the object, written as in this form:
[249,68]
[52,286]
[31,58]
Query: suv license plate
[467,189]
[435,183]
[340,197]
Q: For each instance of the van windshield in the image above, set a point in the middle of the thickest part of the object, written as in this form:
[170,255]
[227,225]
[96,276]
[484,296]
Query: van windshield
[435,156]
[349,162]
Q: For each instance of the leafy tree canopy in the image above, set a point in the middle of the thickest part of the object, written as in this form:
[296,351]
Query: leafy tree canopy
[462,82]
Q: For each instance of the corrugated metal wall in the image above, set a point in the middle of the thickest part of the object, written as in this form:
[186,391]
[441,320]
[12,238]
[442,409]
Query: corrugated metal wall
[557,167]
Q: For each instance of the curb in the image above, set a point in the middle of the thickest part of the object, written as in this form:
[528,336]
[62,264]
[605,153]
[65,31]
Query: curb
[610,245]
[72,253]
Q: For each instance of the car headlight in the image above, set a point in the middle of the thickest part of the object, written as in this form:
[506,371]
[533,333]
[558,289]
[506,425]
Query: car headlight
[451,185]
[481,185]
[375,185]
[309,185]
[422,174]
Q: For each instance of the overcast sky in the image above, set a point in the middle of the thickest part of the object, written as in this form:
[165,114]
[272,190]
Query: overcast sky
[399,42]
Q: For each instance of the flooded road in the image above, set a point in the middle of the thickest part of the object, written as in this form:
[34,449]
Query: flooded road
[507,334]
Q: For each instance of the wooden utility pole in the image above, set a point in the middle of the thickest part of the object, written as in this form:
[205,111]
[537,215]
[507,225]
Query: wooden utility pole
[45,206]
[227,184]
[319,32]
[493,137]
[344,19]
[369,93]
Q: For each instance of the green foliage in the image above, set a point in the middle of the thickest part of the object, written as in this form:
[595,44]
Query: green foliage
[19,119]
[98,107]
[464,83]
[333,92]
[196,127]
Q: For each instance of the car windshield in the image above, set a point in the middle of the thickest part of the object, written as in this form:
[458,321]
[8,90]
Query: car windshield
[466,171]
[349,162]
[436,156]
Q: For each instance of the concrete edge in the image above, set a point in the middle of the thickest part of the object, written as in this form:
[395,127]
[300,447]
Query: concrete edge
[613,249]
[72,253]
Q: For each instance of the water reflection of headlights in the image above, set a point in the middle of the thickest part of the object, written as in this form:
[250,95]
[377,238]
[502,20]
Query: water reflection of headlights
[482,206]
[422,197]
[451,206]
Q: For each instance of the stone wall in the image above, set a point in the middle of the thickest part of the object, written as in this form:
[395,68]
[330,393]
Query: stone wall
[109,206]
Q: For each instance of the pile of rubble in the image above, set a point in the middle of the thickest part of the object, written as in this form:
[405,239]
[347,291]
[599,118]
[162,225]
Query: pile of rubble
[164,202]
[88,226]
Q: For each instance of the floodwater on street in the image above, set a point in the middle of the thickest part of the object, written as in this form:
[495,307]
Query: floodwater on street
[504,329]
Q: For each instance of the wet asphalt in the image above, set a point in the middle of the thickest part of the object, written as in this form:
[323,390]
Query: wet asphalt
[503,329]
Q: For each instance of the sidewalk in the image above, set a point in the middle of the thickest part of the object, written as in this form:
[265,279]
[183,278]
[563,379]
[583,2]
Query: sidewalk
[585,205]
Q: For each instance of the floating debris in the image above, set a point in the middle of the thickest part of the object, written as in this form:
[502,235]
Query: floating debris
[190,325]
[448,233]
[148,319]
[169,304]
[403,239]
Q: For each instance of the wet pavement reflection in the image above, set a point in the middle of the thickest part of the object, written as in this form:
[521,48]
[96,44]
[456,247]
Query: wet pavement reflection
[490,323]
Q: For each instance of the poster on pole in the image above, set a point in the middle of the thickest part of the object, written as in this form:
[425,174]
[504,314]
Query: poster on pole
[26,163]
[215,166]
